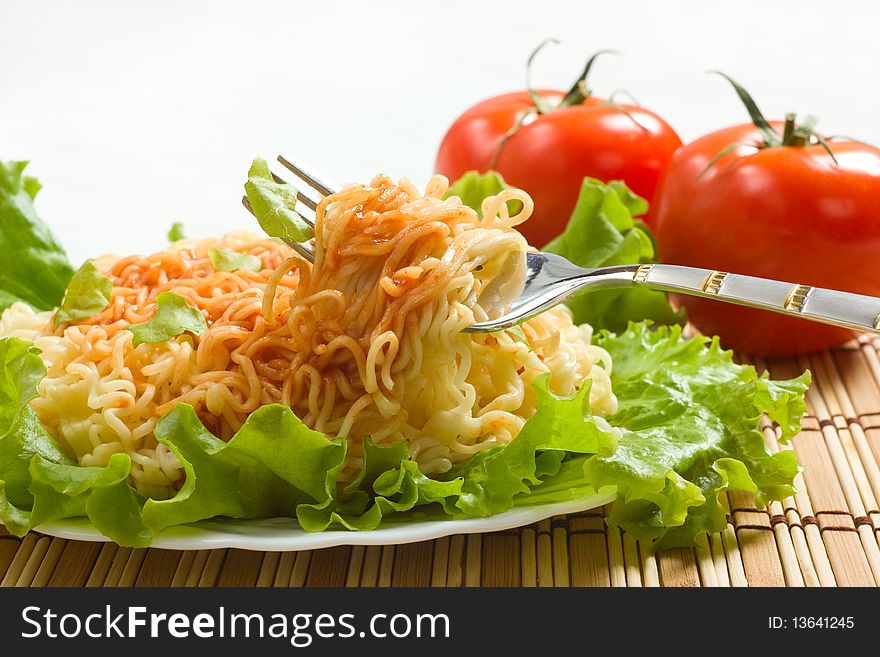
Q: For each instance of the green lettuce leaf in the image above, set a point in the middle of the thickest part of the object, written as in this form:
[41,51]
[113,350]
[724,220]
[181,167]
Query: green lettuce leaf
[231,261]
[173,317]
[493,478]
[39,482]
[473,187]
[175,233]
[103,495]
[689,417]
[274,205]
[21,433]
[88,293]
[273,463]
[33,266]
[22,436]
[602,232]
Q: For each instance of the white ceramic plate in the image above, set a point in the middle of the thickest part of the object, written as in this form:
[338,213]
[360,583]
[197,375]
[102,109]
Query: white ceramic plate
[284,534]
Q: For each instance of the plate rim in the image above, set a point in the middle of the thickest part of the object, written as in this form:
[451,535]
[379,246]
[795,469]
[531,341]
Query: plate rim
[202,536]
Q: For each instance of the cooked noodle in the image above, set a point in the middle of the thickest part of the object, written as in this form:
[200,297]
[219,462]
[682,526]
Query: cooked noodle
[365,342]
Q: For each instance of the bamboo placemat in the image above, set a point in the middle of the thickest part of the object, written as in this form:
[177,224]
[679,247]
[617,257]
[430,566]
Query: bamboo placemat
[826,535]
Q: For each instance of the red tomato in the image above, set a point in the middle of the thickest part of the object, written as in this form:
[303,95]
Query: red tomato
[553,151]
[783,212]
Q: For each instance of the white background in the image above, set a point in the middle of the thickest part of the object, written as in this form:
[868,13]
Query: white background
[135,115]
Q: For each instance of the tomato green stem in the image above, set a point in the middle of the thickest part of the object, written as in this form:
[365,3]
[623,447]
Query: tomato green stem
[578,94]
[579,91]
[771,137]
[623,110]
[788,131]
[507,135]
[724,151]
[541,104]
[793,134]
[632,100]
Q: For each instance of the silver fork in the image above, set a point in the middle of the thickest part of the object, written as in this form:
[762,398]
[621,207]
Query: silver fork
[309,192]
[551,279]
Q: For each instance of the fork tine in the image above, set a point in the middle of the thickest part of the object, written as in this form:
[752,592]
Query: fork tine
[315,183]
[303,248]
[301,197]
[309,191]
[305,207]
[307,213]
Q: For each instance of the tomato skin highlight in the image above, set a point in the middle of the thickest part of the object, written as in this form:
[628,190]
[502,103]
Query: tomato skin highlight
[788,213]
[552,153]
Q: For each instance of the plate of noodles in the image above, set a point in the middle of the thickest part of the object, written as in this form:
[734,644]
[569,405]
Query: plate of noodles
[226,392]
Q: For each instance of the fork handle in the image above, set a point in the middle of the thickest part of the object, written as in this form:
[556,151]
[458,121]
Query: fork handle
[855,311]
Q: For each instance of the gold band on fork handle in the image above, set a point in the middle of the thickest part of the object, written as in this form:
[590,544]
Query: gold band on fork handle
[854,311]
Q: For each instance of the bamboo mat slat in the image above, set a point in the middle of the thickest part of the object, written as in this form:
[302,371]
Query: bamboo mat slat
[826,534]
[500,560]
